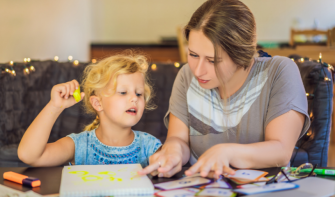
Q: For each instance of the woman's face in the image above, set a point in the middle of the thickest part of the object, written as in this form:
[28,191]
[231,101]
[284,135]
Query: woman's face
[201,61]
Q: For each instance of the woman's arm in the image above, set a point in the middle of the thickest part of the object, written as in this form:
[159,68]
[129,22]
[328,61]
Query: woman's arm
[281,135]
[33,148]
[174,153]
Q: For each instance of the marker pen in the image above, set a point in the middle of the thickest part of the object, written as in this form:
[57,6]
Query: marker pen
[22,179]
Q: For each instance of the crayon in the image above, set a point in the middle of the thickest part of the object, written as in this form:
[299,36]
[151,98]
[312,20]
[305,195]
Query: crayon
[22,179]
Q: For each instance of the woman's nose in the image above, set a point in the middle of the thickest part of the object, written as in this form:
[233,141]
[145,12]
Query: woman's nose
[200,69]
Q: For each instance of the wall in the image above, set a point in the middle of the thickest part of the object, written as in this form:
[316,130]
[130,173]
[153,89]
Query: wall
[41,29]
[148,20]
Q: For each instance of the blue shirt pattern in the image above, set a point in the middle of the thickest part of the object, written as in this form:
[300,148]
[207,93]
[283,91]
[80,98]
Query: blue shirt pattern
[90,151]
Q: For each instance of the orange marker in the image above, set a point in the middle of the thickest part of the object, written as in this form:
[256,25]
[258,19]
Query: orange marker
[22,179]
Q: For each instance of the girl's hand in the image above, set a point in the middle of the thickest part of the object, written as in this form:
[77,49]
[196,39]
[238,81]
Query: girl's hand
[164,163]
[214,162]
[61,94]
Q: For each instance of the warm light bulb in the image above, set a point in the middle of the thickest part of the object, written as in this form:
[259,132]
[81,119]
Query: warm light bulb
[320,56]
[292,59]
[154,67]
[176,64]
[307,94]
[76,62]
[28,59]
[11,63]
[7,70]
[70,58]
[56,58]
[13,72]
[94,61]
[25,60]
[302,60]
[26,70]
[32,68]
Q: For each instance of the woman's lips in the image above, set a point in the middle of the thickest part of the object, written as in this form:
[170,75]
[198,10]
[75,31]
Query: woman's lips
[202,81]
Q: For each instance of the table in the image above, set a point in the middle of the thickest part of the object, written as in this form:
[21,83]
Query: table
[51,176]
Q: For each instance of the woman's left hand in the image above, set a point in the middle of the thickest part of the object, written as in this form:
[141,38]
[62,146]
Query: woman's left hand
[214,162]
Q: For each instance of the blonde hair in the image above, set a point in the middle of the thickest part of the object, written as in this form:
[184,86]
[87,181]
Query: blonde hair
[97,76]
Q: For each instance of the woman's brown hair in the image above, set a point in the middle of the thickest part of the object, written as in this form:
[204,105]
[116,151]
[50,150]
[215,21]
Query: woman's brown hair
[230,25]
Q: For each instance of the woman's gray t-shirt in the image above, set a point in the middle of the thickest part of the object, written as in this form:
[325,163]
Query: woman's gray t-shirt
[272,88]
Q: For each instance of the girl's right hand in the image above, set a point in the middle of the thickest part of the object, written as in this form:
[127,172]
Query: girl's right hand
[164,163]
[61,94]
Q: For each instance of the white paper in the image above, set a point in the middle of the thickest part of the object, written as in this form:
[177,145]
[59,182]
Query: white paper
[219,183]
[267,188]
[187,182]
[9,192]
[215,192]
[247,174]
[104,180]
[176,193]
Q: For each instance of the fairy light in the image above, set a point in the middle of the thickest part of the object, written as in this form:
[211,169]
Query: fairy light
[302,59]
[32,68]
[153,67]
[26,71]
[327,79]
[7,70]
[176,64]
[320,57]
[307,94]
[56,58]
[94,61]
[76,62]
[11,63]
[292,59]
[70,58]
[13,72]
[28,60]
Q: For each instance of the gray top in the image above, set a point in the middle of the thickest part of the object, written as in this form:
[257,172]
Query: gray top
[272,88]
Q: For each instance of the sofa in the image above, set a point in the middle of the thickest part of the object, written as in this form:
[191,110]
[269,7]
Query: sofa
[23,96]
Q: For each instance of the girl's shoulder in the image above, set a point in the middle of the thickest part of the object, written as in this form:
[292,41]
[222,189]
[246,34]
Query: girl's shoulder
[81,136]
[144,135]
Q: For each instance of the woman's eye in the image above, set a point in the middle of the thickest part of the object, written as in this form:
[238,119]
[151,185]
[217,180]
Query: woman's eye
[212,62]
[193,55]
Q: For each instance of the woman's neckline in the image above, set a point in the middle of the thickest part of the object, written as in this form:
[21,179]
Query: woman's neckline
[95,136]
[256,60]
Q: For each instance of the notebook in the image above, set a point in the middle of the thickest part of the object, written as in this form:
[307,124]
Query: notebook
[104,180]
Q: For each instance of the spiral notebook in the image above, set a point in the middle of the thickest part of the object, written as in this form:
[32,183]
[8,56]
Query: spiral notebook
[104,180]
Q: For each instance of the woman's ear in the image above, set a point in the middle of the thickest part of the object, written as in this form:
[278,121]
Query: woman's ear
[96,103]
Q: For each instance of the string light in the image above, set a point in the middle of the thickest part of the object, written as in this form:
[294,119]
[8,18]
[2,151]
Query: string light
[302,59]
[32,68]
[11,63]
[327,79]
[28,60]
[25,69]
[320,57]
[307,94]
[56,58]
[176,64]
[94,61]
[292,59]
[76,62]
[153,67]
[70,58]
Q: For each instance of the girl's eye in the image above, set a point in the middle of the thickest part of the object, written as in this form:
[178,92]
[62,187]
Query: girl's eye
[123,93]
[138,95]
[193,55]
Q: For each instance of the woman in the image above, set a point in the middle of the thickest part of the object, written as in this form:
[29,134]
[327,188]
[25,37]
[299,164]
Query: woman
[229,107]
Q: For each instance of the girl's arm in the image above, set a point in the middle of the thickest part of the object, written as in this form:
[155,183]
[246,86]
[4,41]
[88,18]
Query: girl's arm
[174,153]
[281,135]
[33,148]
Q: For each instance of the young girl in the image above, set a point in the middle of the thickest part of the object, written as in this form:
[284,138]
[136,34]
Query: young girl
[117,91]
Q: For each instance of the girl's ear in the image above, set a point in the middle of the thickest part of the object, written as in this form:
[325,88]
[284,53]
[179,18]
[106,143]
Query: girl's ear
[95,102]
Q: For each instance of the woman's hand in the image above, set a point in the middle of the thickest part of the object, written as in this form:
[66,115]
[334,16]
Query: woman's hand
[164,163]
[214,162]
[61,94]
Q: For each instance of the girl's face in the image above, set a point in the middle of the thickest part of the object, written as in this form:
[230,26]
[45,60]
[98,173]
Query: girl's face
[201,61]
[125,107]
